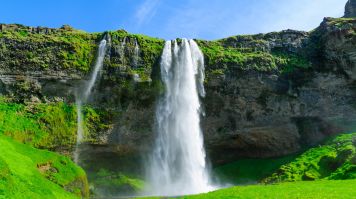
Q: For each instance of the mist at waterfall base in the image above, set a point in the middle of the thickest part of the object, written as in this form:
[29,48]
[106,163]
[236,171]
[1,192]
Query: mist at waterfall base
[83,96]
[178,164]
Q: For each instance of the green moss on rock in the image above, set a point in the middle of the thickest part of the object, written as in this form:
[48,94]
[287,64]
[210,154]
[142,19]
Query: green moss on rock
[335,160]
[48,125]
[222,57]
[110,183]
[44,48]
[123,54]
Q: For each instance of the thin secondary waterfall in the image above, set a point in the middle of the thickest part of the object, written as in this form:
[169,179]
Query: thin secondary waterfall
[136,55]
[83,97]
[178,164]
[122,50]
[135,60]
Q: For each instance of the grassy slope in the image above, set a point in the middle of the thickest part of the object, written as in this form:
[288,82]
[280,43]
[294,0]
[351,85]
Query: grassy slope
[20,176]
[247,171]
[46,125]
[335,160]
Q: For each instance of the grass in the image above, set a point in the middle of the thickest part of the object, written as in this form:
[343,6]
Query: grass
[316,190]
[323,189]
[40,125]
[47,125]
[26,172]
[247,171]
[335,160]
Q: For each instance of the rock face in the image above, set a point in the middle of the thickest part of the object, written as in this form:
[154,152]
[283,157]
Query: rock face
[350,9]
[268,95]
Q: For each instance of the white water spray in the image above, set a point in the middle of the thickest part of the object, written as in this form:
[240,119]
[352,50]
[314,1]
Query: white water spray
[82,98]
[178,164]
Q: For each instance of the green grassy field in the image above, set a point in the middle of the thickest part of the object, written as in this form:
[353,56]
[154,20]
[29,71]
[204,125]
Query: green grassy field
[26,172]
[316,189]
[322,189]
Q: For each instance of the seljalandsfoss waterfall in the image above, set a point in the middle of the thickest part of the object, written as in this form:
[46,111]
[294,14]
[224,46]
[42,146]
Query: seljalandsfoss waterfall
[97,111]
[178,165]
[83,96]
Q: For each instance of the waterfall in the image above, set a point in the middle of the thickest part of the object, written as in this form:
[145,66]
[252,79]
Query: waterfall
[83,97]
[136,55]
[122,50]
[178,165]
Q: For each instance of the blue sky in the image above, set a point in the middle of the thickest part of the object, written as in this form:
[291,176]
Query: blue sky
[169,19]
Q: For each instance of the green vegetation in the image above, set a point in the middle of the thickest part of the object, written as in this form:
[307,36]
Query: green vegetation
[335,160]
[150,50]
[342,23]
[331,168]
[115,183]
[67,48]
[48,48]
[247,171]
[290,62]
[224,57]
[26,172]
[343,189]
[47,125]
[312,190]
[221,58]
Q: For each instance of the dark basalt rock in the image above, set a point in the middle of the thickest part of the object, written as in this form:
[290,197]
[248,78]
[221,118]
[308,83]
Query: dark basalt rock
[350,9]
[248,113]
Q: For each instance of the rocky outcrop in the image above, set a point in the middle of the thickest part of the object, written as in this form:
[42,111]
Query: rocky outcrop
[268,95]
[350,9]
[288,40]
[258,114]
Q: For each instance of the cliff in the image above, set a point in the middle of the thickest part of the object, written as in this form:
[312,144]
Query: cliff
[350,9]
[267,95]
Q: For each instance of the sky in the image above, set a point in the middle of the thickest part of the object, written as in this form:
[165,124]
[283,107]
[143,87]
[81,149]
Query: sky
[170,19]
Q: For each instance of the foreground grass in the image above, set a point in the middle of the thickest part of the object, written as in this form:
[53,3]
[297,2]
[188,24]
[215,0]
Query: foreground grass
[26,172]
[306,189]
[316,189]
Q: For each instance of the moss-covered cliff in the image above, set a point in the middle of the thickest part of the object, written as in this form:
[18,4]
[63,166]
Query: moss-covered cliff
[268,95]
[258,86]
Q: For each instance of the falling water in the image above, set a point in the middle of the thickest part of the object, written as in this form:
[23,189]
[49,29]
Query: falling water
[136,55]
[122,50]
[82,98]
[178,164]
